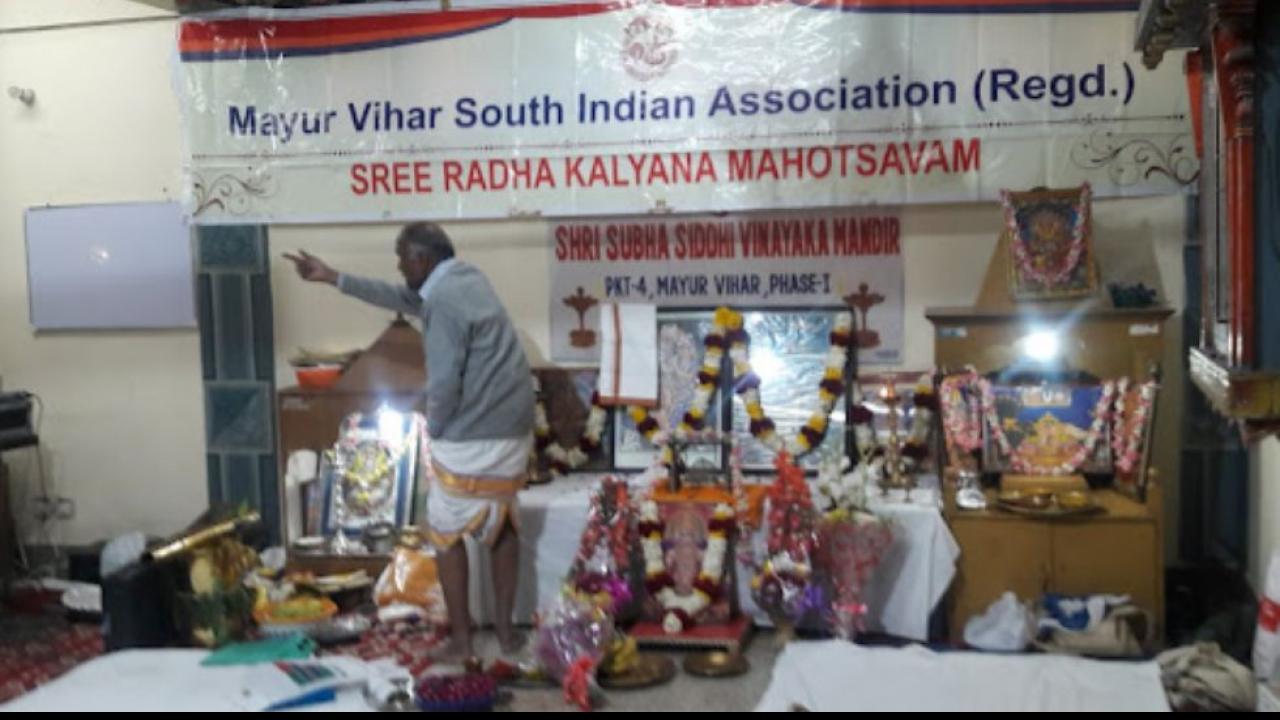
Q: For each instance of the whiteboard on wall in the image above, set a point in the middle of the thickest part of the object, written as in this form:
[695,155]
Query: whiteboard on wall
[110,267]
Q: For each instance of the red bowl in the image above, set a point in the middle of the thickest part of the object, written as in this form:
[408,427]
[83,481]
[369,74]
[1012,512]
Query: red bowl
[319,377]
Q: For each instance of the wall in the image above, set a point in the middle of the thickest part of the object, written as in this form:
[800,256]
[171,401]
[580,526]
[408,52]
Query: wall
[947,249]
[1264,507]
[123,422]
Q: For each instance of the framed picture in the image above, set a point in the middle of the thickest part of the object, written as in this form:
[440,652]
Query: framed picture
[680,336]
[1045,427]
[1134,429]
[370,475]
[1050,244]
[788,352]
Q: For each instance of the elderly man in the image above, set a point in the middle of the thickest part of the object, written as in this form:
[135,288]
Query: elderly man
[479,411]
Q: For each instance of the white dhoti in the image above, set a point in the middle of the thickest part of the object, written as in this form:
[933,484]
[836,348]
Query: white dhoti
[473,488]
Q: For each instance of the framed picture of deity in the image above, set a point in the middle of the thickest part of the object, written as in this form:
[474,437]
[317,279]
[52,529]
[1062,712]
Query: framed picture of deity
[370,474]
[1049,234]
[680,338]
[1134,420]
[1048,430]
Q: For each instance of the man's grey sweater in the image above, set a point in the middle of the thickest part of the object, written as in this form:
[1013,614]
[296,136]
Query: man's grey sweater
[478,381]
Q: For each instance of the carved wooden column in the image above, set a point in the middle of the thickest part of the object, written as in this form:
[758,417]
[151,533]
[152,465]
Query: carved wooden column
[1231,38]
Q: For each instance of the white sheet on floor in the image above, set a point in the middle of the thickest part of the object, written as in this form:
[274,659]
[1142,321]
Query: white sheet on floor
[835,676]
[154,681]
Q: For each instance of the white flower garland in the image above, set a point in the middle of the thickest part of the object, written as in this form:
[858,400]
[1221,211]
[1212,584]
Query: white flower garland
[961,417]
[1127,445]
[655,565]
[562,460]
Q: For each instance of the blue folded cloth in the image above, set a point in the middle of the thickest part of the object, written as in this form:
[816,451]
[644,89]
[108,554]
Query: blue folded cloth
[1077,612]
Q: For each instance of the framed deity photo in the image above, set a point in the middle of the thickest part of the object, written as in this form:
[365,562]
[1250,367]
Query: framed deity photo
[1049,233]
[1047,430]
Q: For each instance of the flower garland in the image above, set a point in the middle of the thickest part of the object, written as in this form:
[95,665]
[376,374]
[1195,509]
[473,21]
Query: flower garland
[681,611]
[600,569]
[782,582]
[1126,443]
[727,334]
[1101,414]
[1048,277]
[830,388]
[559,459]
[724,323]
[961,416]
[842,485]
[964,431]
[924,403]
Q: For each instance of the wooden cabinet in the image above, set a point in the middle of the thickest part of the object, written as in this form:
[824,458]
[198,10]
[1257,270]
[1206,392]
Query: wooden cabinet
[997,557]
[390,373]
[1105,342]
[1117,552]
[309,419]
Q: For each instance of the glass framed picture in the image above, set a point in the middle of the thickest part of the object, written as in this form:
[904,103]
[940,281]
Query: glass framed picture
[1050,244]
[370,475]
[1045,427]
[788,352]
[680,336]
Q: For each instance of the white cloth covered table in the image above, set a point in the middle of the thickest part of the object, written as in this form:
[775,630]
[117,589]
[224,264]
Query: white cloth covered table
[835,676]
[911,580]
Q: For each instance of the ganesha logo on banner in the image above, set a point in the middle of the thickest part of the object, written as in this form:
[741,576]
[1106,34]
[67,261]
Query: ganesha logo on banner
[648,47]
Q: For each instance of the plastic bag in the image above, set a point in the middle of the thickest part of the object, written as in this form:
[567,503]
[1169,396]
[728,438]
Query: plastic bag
[410,578]
[1266,642]
[574,628]
[1005,626]
[121,552]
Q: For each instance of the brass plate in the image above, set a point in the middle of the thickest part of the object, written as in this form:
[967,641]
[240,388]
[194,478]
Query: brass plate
[649,670]
[716,664]
[1067,504]
[1032,499]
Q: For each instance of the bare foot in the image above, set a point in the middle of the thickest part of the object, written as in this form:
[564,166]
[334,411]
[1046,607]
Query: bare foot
[513,643]
[455,651]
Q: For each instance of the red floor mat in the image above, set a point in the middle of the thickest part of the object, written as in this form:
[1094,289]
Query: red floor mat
[35,650]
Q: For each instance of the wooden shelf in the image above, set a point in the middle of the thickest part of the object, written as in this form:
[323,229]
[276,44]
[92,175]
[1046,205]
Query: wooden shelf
[325,564]
[1250,396]
[1116,508]
[1088,311]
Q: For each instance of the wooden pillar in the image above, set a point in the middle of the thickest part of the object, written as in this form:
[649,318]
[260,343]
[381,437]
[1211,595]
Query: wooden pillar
[1232,44]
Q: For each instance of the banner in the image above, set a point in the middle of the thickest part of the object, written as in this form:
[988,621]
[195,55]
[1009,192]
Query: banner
[571,109]
[844,259]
